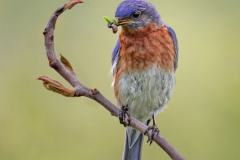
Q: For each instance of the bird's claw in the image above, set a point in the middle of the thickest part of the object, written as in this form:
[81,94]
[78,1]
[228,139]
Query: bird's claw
[124,116]
[154,129]
[154,132]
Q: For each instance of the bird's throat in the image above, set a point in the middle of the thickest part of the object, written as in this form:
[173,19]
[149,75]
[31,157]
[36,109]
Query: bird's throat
[142,48]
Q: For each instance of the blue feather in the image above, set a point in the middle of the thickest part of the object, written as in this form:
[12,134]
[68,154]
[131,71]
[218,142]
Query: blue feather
[115,55]
[115,51]
[126,8]
[175,42]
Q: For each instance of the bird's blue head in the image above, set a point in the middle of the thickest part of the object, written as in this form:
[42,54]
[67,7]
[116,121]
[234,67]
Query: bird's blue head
[135,14]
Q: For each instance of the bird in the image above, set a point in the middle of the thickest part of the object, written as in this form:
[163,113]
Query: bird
[144,62]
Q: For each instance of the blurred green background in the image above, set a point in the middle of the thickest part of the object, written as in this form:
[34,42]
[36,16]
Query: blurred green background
[202,120]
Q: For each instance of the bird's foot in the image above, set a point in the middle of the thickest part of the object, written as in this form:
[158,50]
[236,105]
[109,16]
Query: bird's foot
[154,132]
[124,116]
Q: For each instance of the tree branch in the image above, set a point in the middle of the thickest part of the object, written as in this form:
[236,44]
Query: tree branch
[64,68]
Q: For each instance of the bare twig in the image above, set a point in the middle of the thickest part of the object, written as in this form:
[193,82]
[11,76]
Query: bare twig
[64,68]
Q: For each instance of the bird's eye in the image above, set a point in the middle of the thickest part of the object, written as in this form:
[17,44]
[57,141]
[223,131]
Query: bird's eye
[137,14]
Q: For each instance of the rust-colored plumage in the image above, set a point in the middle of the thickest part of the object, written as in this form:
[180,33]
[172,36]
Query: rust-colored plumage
[140,49]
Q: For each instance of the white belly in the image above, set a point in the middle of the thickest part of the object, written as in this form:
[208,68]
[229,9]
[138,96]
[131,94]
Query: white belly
[146,92]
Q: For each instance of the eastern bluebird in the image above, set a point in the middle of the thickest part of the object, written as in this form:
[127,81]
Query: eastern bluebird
[143,64]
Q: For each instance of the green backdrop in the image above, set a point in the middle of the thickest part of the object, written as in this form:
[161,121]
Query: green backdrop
[202,120]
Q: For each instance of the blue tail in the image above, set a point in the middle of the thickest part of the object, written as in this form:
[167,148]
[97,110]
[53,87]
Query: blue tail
[133,150]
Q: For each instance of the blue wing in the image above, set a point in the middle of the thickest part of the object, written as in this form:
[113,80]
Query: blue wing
[115,55]
[175,42]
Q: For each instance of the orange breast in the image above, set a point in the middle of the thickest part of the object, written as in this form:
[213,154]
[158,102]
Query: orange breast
[141,49]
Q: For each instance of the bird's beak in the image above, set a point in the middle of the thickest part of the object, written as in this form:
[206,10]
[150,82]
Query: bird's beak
[123,21]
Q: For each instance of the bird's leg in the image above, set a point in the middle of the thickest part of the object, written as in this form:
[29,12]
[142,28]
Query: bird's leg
[124,116]
[154,129]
